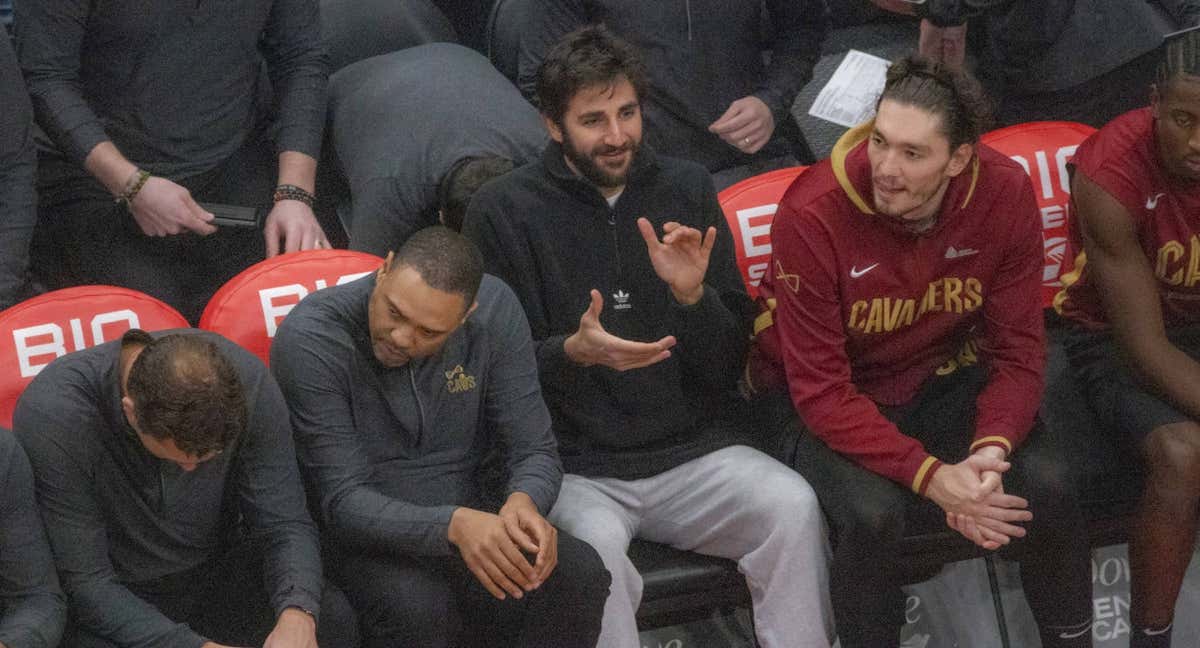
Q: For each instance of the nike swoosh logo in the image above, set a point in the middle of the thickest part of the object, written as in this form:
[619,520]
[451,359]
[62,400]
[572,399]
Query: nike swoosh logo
[855,273]
[1073,635]
[1152,202]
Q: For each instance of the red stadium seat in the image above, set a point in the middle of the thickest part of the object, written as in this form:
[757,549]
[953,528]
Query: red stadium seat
[1043,149]
[57,323]
[749,208]
[249,307]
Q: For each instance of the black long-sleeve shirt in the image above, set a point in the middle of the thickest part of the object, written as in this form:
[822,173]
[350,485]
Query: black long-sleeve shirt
[701,55]
[400,122]
[390,453]
[551,236]
[116,514]
[32,607]
[174,85]
[18,164]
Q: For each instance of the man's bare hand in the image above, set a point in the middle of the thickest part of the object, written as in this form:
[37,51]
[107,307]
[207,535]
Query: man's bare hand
[213,644]
[747,124]
[681,258]
[592,345]
[294,629]
[490,553]
[294,223]
[982,516]
[532,533]
[946,45]
[163,208]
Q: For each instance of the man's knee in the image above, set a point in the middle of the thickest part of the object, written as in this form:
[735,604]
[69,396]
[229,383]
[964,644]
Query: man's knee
[581,575]
[1173,458]
[399,605]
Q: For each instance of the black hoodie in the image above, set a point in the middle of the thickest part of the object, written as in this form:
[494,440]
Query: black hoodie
[553,237]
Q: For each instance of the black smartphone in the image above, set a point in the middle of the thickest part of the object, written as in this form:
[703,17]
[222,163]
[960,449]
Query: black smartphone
[231,215]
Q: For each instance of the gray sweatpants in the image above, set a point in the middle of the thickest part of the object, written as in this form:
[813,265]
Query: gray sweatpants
[735,503]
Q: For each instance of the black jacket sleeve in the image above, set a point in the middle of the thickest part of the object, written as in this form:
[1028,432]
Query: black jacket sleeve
[33,606]
[273,504]
[18,164]
[299,72]
[799,28]
[714,333]
[546,21]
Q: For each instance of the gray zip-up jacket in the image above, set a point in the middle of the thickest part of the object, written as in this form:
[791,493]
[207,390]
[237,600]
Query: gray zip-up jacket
[390,453]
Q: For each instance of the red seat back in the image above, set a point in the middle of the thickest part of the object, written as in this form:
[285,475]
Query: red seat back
[38,330]
[749,208]
[249,307]
[1043,149]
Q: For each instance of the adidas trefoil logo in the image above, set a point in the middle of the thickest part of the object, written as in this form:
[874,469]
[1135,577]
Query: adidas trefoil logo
[622,299]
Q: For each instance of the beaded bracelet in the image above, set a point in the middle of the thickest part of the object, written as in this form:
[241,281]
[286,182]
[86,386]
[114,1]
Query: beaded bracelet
[135,184]
[292,192]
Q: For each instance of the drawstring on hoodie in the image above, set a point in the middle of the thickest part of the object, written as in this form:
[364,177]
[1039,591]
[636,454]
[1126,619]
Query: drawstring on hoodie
[687,5]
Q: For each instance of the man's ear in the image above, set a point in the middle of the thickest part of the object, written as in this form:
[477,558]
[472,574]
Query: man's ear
[384,267]
[552,128]
[127,407]
[470,310]
[959,159]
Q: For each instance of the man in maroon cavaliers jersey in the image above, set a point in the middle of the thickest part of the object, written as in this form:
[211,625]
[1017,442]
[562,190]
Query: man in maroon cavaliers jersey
[1132,297]
[905,277]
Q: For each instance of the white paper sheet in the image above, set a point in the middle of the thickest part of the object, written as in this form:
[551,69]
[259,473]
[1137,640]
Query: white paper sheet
[849,97]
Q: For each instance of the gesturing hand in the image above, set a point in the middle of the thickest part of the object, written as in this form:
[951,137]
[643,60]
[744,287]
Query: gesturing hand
[294,222]
[746,125]
[681,258]
[163,208]
[591,344]
[532,533]
[490,553]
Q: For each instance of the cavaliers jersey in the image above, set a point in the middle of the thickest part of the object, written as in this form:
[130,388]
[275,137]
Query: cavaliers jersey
[866,311]
[1122,159]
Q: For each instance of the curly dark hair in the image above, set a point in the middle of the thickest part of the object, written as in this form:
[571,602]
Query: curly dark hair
[950,93]
[589,56]
[185,390]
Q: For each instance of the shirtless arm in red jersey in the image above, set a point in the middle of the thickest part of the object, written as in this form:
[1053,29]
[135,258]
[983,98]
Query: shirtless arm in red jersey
[1130,293]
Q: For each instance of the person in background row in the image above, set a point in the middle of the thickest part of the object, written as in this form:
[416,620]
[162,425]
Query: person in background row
[1130,294]
[18,165]
[417,132]
[34,608]
[639,342]
[710,97]
[162,108]
[905,272]
[399,384]
[167,480]
[1077,60]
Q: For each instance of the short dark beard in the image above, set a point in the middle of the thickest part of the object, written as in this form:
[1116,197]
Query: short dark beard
[590,170]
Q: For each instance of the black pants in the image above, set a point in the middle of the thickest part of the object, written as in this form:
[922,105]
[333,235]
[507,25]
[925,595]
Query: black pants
[869,514]
[225,601]
[83,237]
[436,602]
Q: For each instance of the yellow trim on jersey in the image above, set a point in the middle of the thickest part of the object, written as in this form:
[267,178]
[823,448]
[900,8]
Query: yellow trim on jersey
[921,472]
[1069,280]
[990,440]
[837,158]
[974,180]
[766,318]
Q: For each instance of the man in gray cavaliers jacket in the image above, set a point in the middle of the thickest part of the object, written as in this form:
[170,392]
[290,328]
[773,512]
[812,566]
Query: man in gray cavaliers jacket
[398,384]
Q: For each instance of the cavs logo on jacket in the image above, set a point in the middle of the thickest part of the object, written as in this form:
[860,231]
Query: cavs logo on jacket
[887,314]
[457,380]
